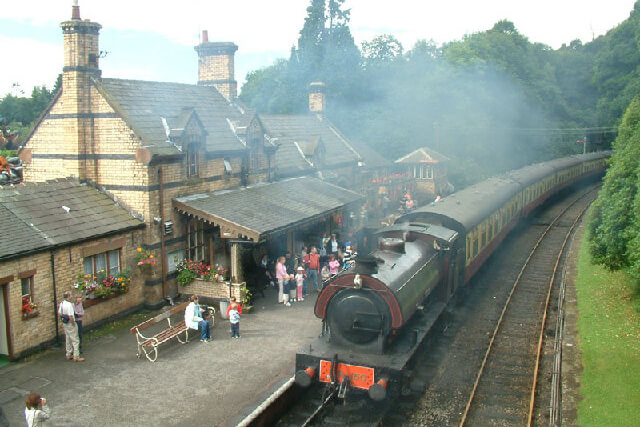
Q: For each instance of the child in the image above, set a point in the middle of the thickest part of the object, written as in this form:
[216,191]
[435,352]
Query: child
[299,282]
[326,275]
[286,287]
[334,264]
[234,319]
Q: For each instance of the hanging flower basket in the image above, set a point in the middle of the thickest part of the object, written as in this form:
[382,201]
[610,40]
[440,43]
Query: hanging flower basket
[145,258]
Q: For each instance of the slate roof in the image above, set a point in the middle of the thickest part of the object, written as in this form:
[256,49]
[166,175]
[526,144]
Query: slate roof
[144,104]
[304,129]
[266,208]
[370,157]
[33,217]
[423,155]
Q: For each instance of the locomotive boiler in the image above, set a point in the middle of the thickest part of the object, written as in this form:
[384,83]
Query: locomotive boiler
[365,309]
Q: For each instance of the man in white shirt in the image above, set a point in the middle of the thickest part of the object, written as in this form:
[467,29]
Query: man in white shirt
[67,315]
[193,318]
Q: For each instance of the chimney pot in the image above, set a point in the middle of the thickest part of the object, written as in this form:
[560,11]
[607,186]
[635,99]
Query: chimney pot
[75,10]
[205,36]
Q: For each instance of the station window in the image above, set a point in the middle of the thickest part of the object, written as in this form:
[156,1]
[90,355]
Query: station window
[109,262]
[195,240]
[193,160]
[27,287]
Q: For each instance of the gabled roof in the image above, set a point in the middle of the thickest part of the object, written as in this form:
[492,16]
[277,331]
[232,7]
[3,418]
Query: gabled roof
[144,105]
[38,216]
[423,155]
[304,128]
[267,208]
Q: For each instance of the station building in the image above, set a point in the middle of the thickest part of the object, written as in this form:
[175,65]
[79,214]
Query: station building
[202,176]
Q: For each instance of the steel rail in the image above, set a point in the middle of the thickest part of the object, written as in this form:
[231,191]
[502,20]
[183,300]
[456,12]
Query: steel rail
[506,305]
[545,313]
[319,409]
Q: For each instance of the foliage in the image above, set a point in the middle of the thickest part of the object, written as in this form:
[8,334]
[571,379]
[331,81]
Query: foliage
[246,298]
[20,113]
[189,270]
[609,331]
[102,285]
[145,257]
[613,224]
[8,153]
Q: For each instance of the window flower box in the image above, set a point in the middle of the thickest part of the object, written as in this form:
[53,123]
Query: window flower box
[29,308]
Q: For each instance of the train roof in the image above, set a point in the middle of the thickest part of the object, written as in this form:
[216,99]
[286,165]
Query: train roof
[436,231]
[466,208]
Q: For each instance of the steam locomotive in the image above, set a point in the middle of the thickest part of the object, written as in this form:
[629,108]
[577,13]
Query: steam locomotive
[375,314]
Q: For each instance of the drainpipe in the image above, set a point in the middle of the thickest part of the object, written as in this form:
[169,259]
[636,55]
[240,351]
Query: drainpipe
[162,247]
[55,296]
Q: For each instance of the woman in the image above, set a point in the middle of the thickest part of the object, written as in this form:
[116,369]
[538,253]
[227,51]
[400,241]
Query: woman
[281,275]
[36,411]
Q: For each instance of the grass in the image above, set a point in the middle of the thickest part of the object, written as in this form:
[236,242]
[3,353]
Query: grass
[609,334]
[115,325]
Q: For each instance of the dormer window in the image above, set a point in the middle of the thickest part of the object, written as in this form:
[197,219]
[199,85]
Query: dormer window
[193,160]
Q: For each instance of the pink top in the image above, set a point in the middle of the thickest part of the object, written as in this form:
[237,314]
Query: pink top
[333,266]
[281,271]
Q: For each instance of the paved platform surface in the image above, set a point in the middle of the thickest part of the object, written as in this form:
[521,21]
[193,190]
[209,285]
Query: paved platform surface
[212,384]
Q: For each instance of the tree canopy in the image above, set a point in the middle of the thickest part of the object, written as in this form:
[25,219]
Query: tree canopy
[614,224]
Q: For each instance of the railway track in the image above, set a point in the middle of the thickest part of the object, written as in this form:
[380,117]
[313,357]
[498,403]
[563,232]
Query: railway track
[446,368]
[505,387]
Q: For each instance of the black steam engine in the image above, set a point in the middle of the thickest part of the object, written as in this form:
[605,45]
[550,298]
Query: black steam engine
[375,314]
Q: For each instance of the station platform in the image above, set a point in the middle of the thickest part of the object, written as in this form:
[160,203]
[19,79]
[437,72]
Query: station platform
[216,383]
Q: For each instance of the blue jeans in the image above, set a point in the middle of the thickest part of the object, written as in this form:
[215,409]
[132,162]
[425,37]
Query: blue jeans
[312,275]
[235,330]
[205,334]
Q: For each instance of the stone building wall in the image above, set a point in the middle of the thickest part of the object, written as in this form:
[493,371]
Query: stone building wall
[68,263]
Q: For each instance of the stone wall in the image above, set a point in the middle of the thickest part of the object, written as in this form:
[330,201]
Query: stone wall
[31,333]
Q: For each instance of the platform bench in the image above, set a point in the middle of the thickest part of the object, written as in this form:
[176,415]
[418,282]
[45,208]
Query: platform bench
[149,345]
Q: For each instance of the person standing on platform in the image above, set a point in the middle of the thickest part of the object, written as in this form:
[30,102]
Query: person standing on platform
[312,261]
[299,283]
[67,314]
[78,309]
[281,276]
[287,285]
[333,245]
[234,321]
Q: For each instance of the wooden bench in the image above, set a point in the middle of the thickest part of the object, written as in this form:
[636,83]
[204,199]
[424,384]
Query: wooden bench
[149,345]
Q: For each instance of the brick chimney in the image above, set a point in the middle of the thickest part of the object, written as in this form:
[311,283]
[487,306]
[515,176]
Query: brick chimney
[216,65]
[81,52]
[317,98]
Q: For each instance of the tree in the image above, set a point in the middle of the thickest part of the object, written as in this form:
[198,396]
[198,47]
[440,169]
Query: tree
[381,50]
[613,224]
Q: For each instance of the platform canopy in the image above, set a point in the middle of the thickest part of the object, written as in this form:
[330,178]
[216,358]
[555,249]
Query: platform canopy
[264,209]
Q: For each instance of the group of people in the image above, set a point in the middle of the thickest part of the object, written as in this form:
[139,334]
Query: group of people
[312,268]
[71,315]
[198,319]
